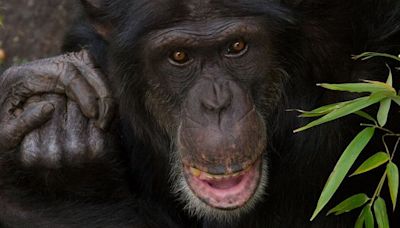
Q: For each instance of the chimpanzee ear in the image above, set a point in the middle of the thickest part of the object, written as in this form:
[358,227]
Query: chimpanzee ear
[95,13]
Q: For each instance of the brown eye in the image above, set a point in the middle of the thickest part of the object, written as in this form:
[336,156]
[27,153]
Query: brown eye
[237,48]
[179,57]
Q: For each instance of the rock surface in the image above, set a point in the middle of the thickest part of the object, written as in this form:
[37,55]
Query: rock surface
[33,28]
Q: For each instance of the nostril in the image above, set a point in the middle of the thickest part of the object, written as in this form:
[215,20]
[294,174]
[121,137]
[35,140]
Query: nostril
[210,105]
[216,104]
[219,97]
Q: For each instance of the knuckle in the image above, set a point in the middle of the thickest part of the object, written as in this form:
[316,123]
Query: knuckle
[73,147]
[97,147]
[29,150]
[97,142]
[51,155]
[10,73]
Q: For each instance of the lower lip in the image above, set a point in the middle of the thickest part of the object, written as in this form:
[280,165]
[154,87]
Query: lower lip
[227,193]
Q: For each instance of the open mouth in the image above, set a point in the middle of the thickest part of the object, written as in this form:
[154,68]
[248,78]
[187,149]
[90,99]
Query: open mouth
[227,192]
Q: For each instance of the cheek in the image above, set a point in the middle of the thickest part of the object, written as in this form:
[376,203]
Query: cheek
[268,92]
[164,109]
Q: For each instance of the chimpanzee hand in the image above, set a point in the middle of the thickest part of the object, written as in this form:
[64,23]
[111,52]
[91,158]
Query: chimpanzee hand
[55,109]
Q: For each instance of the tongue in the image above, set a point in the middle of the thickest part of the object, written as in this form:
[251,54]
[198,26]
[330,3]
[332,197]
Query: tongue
[224,183]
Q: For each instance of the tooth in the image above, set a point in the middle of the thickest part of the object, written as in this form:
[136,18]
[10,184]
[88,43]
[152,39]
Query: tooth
[195,172]
[209,176]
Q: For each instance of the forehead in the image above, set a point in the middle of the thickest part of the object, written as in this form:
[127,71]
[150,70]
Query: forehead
[213,30]
[203,9]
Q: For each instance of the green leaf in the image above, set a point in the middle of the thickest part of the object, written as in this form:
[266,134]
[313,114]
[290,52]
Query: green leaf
[389,80]
[371,163]
[383,111]
[346,110]
[349,204]
[366,217]
[396,99]
[389,88]
[369,217]
[360,221]
[323,110]
[365,115]
[393,182]
[381,213]
[369,55]
[342,167]
[326,108]
[369,87]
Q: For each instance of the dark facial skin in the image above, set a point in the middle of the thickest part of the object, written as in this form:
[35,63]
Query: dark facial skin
[207,69]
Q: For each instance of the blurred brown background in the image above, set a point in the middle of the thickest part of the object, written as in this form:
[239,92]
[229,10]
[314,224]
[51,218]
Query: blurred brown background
[33,28]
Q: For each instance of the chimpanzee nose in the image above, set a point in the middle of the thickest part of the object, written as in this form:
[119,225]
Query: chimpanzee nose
[218,97]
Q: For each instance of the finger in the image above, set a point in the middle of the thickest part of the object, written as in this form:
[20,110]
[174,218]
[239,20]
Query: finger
[30,148]
[99,83]
[75,145]
[57,75]
[96,140]
[106,113]
[52,133]
[31,118]
[79,90]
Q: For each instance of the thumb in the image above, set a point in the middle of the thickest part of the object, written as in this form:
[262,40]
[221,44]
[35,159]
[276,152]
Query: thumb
[34,115]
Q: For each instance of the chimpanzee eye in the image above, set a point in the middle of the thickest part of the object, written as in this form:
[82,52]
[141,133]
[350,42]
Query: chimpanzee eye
[179,57]
[236,48]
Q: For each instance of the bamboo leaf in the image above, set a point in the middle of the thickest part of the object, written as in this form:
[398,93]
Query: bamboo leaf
[396,99]
[365,115]
[349,204]
[371,163]
[359,87]
[369,217]
[327,108]
[389,80]
[369,55]
[389,88]
[342,167]
[360,220]
[366,217]
[346,110]
[393,182]
[383,111]
[381,213]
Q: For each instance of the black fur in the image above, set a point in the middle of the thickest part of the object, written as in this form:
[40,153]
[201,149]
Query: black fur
[314,42]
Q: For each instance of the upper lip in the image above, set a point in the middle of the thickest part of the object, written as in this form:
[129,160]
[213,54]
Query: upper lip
[219,171]
[205,175]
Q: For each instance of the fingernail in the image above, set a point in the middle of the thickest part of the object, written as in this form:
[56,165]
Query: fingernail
[48,108]
[101,124]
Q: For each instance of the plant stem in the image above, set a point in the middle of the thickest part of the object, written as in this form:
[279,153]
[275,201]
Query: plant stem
[378,188]
[395,148]
[378,127]
[384,144]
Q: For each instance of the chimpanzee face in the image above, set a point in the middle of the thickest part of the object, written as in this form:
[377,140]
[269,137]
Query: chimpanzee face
[210,85]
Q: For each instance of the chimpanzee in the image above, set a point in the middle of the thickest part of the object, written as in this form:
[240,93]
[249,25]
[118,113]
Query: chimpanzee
[201,136]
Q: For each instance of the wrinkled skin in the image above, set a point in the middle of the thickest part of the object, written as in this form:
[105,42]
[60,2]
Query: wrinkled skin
[55,108]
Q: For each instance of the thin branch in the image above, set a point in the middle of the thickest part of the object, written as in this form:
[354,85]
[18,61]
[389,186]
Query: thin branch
[378,127]
[379,188]
[385,144]
[395,148]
